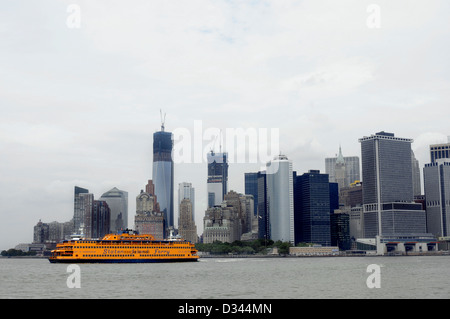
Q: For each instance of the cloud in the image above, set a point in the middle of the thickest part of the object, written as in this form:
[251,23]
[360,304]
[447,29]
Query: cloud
[80,105]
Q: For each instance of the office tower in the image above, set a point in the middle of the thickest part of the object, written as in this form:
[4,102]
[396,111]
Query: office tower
[312,208]
[438,151]
[54,232]
[280,197]
[78,209]
[351,196]
[350,169]
[227,222]
[186,191]
[101,219]
[251,188]
[150,189]
[437,195]
[186,225]
[40,233]
[86,206]
[163,174]
[148,218]
[117,201]
[217,177]
[340,174]
[388,187]
[417,187]
[262,207]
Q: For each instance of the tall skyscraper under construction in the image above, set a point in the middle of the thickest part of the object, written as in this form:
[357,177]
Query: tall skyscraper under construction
[217,183]
[163,173]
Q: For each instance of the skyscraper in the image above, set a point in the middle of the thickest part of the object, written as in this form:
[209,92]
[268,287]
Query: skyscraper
[251,188]
[78,209]
[117,201]
[417,186]
[186,225]
[437,195]
[163,173]
[217,182]
[101,219]
[312,207]
[280,197]
[186,191]
[350,172]
[438,151]
[262,207]
[388,187]
[148,219]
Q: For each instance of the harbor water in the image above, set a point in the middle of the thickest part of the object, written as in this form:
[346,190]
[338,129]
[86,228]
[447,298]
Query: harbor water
[231,278]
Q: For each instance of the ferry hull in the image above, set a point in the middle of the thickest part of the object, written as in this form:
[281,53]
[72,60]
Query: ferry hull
[120,261]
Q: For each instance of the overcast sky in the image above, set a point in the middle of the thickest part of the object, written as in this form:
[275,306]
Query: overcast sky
[80,94]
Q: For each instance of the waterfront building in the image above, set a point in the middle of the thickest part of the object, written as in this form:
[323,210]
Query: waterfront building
[228,221]
[388,200]
[217,183]
[163,174]
[53,232]
[312,208]
[186,225]
[437,196]
[186,191]
[280,198]
[117,201]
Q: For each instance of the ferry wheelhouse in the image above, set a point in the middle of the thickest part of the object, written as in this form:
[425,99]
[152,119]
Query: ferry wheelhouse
[124,247]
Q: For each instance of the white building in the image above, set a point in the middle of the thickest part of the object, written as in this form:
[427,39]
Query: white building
[280,196]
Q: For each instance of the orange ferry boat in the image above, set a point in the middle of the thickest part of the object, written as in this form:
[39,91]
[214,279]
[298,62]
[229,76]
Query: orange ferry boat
[124,247]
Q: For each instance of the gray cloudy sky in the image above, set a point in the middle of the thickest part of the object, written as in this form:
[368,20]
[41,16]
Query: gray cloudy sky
[79,105]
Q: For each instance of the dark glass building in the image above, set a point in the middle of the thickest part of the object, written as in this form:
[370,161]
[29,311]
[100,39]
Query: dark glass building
[262,207]
[251,188]
[100,219]
[312,208]
[217,183]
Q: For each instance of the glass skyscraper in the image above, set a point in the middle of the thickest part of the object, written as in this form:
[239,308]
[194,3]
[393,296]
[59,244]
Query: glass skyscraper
[312,207]
[251,188]
[163,173]
[117,201]
[217,183]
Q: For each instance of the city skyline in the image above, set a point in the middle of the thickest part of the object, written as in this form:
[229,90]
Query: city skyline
[80,105]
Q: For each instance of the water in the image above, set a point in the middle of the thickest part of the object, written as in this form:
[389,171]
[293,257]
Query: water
[232,278]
